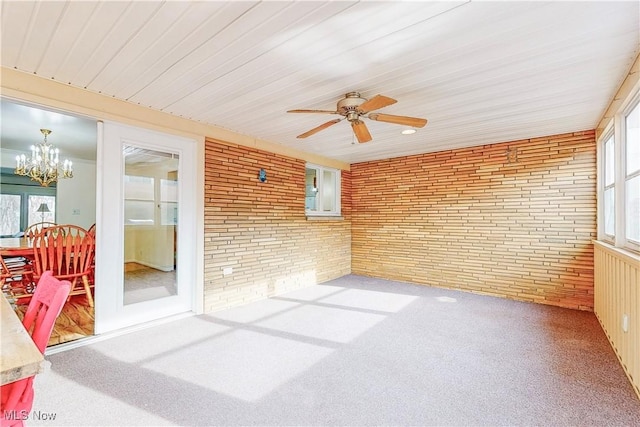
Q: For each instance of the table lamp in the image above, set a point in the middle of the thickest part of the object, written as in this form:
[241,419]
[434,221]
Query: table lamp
[43,209]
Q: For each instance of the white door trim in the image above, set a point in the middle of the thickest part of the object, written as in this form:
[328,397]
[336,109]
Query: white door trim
[110,313]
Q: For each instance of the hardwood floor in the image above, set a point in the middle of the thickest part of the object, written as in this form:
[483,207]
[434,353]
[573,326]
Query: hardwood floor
[75,321]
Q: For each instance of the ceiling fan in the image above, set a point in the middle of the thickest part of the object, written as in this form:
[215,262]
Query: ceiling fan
[353,107]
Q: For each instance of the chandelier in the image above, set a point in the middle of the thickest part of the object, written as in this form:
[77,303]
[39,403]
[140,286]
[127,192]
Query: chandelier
[44,164]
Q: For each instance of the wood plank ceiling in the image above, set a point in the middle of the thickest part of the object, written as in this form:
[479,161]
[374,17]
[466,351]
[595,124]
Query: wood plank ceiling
[480,72]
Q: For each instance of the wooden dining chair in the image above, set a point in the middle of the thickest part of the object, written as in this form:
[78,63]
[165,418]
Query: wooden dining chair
[16,398]
[68,251]
[92,276]
[36,228]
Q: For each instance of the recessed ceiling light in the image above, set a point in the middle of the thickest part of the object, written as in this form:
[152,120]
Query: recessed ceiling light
[408,131]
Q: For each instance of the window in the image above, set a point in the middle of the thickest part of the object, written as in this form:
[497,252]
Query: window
[609,188]
[619,199]
[34,202]
[632,175]
[20,199]
[139,200]
[169,201]
[10,214]
[150,187]
[322,191]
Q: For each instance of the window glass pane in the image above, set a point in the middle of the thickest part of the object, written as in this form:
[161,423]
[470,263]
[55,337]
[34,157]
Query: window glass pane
[632,147]
[609,213]
[139,200]
[632,204]
[9,214]
[137,212]
[138,187]
[311,190]
[328,191]
[609,170]
[38,205]
[168,202]
[168,190]
[169,213]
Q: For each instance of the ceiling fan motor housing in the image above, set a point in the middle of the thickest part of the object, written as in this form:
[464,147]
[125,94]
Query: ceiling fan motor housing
[349,104]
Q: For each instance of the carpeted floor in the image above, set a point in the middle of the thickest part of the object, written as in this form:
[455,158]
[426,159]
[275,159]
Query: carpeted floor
[145,283]
[353,351]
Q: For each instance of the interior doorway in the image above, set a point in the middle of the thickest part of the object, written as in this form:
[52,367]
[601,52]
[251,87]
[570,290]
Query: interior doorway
[25,202]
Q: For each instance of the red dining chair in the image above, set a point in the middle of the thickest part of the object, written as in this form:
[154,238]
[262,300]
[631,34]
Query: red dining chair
[16,398]
[92,276]
[68,251]
[36,228]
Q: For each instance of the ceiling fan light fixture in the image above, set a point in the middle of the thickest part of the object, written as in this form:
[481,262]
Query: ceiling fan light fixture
[408,131]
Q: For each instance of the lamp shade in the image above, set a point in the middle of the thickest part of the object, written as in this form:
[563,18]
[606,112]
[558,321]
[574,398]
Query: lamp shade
[43,208]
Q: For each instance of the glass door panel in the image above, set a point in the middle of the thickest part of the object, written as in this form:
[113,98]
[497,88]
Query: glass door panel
[150,221]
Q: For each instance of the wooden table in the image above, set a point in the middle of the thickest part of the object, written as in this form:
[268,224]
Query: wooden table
[19,356]
[16,247]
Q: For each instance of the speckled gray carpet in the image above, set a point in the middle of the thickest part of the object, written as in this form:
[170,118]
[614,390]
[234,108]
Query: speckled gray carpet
[353,351]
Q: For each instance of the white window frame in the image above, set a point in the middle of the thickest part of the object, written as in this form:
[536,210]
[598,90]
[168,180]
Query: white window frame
[625,242]
[602,184]
[320,185]
[617,128]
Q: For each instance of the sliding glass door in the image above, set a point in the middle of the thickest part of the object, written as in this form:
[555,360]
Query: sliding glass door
[148,212]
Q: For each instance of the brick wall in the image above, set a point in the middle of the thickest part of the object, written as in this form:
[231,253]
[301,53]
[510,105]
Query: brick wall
[261,231]
[515,224]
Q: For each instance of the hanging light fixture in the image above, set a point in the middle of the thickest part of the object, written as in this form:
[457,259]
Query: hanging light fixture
[44,165]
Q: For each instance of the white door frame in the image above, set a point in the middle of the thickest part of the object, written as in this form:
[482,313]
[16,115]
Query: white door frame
[110,312]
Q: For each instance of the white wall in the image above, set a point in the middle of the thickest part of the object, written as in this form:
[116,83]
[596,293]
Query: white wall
[8,158]
[76,197]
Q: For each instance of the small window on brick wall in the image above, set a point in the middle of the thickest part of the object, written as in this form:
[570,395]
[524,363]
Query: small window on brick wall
[322,191]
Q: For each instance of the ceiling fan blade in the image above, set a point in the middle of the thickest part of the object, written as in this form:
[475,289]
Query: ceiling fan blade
[361,131]
[376,102]
[319,128]
[313,111]
[399,120]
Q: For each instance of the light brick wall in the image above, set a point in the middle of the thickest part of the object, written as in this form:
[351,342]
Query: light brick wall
[469,219]
[261,231]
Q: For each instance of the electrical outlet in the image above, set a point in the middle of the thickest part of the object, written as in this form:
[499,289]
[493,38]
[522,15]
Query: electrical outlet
[625,323]
[227,271]
[75,212]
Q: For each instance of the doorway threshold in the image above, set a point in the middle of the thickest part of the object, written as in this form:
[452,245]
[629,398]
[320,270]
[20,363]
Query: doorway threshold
[81,342]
